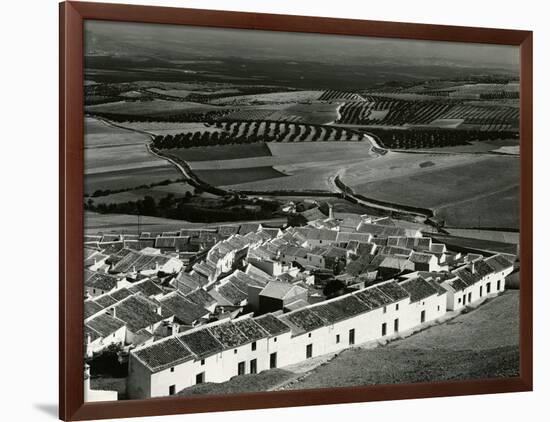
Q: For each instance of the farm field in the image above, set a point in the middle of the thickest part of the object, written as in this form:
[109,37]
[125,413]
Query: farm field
[459,191]
[169,128]
[148,107]
[495,235]
[221,152]
[129,178]
[272,97]
[236,176]
[306,166]
[478,146]
[99,133]
[498,210]
[116,158]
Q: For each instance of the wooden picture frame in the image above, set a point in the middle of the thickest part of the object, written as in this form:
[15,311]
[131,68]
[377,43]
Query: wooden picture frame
[71,400]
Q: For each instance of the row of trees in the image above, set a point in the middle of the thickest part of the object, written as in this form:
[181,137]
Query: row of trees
[230,208]
[253,131]
[435,138]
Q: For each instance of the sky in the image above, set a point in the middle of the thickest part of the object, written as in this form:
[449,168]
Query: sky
[180,43]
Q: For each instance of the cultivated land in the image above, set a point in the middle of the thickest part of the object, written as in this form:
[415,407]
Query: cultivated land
[116,158]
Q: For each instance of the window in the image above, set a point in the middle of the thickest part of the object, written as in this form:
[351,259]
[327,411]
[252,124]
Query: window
[422,316]
[351,337]
[273,360]
[253,346]
[202,362]
[396,325]
[309,351]
[275,340]
[337,338]
[480,291]
[438,307]
[384,309]
[235,351]
[241,368]
[253,366]
[384,329]
[459,300]
[172,369]
[309,335]
[199,378]
[397,306]
[172,390]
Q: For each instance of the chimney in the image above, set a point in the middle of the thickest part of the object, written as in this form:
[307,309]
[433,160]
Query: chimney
[113,312]
[473,267]
[330,214]
[159,310]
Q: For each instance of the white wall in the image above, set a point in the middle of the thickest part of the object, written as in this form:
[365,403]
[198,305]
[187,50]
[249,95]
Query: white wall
[34,45]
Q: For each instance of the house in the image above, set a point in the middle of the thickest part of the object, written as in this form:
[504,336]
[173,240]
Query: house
[212,353]
[97,283]
[424,261]
[476,280]
[185,312]
[322,237]
[276,295]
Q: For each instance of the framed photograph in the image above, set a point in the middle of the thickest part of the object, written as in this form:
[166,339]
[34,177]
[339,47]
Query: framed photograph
[266,210]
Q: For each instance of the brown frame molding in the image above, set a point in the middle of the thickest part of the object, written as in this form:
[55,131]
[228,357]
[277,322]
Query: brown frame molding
[71,395]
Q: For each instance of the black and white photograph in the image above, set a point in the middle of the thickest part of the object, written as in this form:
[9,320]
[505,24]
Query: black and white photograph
[273,211]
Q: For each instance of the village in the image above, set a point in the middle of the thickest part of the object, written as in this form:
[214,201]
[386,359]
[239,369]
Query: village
[208,304]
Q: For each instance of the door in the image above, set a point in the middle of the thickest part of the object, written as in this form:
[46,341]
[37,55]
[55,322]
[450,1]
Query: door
[172,390]
[422,316]
[309,351]
[480,291]
[384,329]
[241,368]
[273,360]
[199,379]
[253,366]
[352,337]
[396,325]
[498,285]
[469,297]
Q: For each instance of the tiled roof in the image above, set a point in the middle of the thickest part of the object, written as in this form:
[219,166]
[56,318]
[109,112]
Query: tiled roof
[164,354]
[251,329]
[374,298]
[100,281]
[147,287]
[277,289]
[105,300]
[137,312]
[228,335]
[120,294]
[393,290]
[200,297]
[272,325]
[498,263]
[104,324]
[419,289]
[91,308]
[340,309]
[303,320]
[186,282]
[378,230]
[184,310]
[201,343]
[421,258]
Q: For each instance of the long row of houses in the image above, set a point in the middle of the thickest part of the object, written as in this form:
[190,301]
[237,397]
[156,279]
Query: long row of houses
[218,351]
